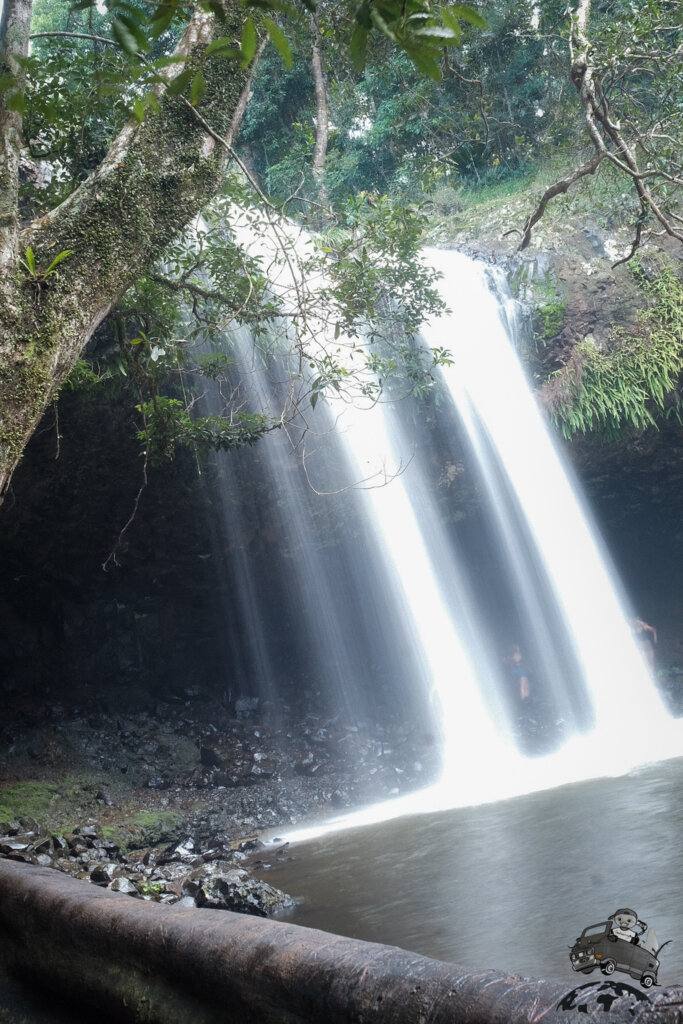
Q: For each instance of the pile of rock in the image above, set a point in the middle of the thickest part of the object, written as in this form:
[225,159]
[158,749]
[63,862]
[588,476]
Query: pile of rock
[191,873]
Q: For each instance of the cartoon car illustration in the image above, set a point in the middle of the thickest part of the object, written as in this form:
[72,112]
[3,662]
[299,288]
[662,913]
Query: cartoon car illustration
[598,947]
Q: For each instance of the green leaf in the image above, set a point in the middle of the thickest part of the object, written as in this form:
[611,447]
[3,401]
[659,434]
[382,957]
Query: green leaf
[469,15]
[7,82]
[123,36]
[137,32]
[197,89]
[30,260]
[447,35]
[280,42]
[222,46]
[162,18]
[58,259]
[450,20]
[424,62]
[363,16]
[178,84]
[249,40]
[138,109]
[165,62]
[358,47]
[380,24]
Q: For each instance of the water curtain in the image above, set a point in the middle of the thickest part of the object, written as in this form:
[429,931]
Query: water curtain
[396,603]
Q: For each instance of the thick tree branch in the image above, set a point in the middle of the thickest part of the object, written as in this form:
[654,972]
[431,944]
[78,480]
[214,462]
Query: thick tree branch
[155,178]
[608,138]
[615,140]
[556,189]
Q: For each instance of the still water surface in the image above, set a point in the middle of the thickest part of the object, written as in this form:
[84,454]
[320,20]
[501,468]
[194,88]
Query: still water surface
[508,885]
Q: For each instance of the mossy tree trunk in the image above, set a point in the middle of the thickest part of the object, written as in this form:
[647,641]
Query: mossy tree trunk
[156,177]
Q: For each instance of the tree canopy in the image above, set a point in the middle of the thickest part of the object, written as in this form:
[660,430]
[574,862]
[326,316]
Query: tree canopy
[119,126]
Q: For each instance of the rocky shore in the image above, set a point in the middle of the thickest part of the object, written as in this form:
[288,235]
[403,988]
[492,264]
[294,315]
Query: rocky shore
[169,801]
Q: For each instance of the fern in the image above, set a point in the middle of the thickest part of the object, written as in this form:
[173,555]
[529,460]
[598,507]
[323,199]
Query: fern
[634,385]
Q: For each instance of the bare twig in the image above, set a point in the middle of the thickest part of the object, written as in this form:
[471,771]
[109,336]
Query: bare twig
[111,559]
[57,434]
[76,35]
[470,81]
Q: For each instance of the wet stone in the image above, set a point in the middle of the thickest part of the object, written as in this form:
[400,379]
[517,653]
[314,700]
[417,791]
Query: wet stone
[77,847]
[158,782]
[103,874]
[44,847]
[86,831]
[210,757]
[244,897]
[186,901]
[191,888]
[124,885]
[12,846]
[29,825]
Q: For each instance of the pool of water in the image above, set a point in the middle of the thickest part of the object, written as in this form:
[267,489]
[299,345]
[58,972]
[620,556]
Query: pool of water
[508,885]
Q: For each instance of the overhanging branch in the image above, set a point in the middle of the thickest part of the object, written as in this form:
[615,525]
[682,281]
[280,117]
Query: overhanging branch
[556,189]
[608,138]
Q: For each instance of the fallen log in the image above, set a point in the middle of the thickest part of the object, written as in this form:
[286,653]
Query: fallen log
[130,960]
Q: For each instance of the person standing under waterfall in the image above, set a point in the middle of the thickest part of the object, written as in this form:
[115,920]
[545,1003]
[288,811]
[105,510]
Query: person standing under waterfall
[527,726]
[646,638]
[519,674]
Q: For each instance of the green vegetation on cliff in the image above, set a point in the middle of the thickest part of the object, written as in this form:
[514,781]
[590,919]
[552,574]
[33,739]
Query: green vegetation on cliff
[635,384]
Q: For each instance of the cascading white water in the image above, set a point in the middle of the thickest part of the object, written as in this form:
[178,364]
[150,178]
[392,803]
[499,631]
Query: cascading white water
[335,602]
[506,429]
[520,467]
[570,604]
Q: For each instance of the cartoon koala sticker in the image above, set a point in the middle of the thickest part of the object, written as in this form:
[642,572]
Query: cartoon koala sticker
[624,921]
[621,943]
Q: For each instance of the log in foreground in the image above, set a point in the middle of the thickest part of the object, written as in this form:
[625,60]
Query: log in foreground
[130,960]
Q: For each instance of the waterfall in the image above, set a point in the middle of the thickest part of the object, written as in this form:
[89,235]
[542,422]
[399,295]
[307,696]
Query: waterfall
[400,592]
